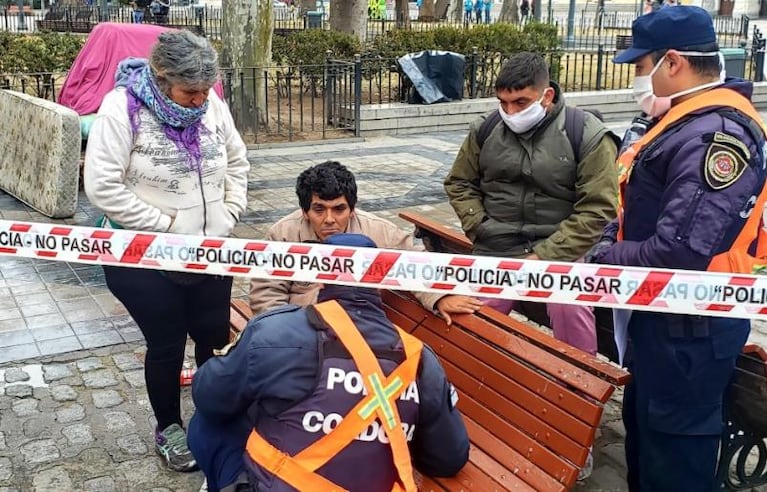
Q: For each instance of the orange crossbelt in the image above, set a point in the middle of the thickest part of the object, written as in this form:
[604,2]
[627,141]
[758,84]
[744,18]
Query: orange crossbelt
[299,471]
[737,260]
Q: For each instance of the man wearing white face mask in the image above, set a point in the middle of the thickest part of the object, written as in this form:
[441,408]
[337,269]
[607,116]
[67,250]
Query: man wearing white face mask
[692,195]
[523,186]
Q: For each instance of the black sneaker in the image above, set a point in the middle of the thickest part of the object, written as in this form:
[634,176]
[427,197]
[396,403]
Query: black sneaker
[170,443]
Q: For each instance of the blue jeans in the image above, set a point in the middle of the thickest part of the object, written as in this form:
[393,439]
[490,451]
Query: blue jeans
[138,16]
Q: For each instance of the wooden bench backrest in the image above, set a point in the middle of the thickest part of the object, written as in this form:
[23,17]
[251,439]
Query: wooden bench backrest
[451,240]
[458,243]
[534,403]
[14,9]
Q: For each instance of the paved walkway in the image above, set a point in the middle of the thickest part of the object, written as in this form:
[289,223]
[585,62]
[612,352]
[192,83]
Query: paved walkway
[73,411]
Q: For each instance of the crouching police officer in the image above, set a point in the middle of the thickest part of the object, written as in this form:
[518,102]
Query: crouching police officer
[326,397]
[692,193]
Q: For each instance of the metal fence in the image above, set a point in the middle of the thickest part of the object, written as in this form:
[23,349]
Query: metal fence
[590,28]
[295,102]
[311,102]
[82,18]
[43,85]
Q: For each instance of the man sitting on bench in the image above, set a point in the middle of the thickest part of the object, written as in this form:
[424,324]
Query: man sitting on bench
[327,194]
[326,397]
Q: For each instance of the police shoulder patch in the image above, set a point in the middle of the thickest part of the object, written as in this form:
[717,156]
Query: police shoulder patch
[726,161]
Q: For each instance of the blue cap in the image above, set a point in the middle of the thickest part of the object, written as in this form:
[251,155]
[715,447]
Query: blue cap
[668,28]
[354,240]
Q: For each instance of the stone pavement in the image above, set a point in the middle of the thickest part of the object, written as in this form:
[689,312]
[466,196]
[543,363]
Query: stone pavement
[73,411]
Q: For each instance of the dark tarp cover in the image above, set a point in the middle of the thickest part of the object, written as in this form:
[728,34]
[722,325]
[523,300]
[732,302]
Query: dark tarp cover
[437,76]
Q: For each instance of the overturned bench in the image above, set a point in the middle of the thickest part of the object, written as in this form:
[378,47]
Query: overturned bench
[531,404]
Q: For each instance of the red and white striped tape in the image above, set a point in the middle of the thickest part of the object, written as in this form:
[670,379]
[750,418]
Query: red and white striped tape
[661,290]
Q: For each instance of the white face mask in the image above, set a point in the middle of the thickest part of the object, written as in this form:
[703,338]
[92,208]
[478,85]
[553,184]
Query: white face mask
[658,106]
[524,120]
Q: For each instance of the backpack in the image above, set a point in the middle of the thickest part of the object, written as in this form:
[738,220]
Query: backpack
[574,120]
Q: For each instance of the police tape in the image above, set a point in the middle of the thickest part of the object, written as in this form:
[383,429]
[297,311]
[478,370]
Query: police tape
[648,289]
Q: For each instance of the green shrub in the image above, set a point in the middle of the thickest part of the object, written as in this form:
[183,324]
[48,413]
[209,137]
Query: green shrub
[310,47]
[497,38]
[40,52]
[397,42]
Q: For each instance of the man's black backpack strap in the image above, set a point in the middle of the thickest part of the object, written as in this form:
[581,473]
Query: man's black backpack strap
[575,119]
[487,127]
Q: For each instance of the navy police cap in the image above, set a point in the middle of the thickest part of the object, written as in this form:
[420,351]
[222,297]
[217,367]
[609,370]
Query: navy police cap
[668,28]
[354,240]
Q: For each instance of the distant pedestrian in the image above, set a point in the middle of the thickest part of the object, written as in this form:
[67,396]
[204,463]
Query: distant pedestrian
[488,5]
[648,7]
[139,10]
[478,10]
[468,9]
[160,10]
[524,10]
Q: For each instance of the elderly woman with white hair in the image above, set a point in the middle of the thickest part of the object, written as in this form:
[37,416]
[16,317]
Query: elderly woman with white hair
[163,155]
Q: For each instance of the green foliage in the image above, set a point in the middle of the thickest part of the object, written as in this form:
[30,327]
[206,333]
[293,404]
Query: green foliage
[310,47]
[497,38]
[40,52]
[55,52]
[397,42]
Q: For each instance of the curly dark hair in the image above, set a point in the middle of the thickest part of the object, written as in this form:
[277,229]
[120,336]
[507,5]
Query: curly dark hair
[328,180]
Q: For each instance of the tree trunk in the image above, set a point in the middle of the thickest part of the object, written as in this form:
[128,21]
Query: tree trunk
[349,16]
[456,11]
[509,12]
[426,12]
[402,13]
[246,38]
[441,8]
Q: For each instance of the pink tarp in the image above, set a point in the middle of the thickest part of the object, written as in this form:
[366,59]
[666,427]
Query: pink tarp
[93,72]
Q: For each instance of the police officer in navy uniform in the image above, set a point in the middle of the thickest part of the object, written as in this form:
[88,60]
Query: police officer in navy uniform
[692,198]
[291,379]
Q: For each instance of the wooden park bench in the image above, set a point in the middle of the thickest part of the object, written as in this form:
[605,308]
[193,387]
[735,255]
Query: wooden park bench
[68,20]
[442,239]
[746,408]
[14,10]
[531,404]
[194,28]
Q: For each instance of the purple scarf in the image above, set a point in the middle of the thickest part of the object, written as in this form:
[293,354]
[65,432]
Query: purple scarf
[181,125]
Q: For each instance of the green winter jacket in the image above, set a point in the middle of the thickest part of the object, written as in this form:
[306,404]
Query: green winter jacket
[524,194]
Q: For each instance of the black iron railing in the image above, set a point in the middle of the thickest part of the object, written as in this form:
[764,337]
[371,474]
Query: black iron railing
[322,101]
[591,28]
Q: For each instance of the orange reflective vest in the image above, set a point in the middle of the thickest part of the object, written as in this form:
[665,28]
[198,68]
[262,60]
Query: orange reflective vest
[299,471]
[737,259]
